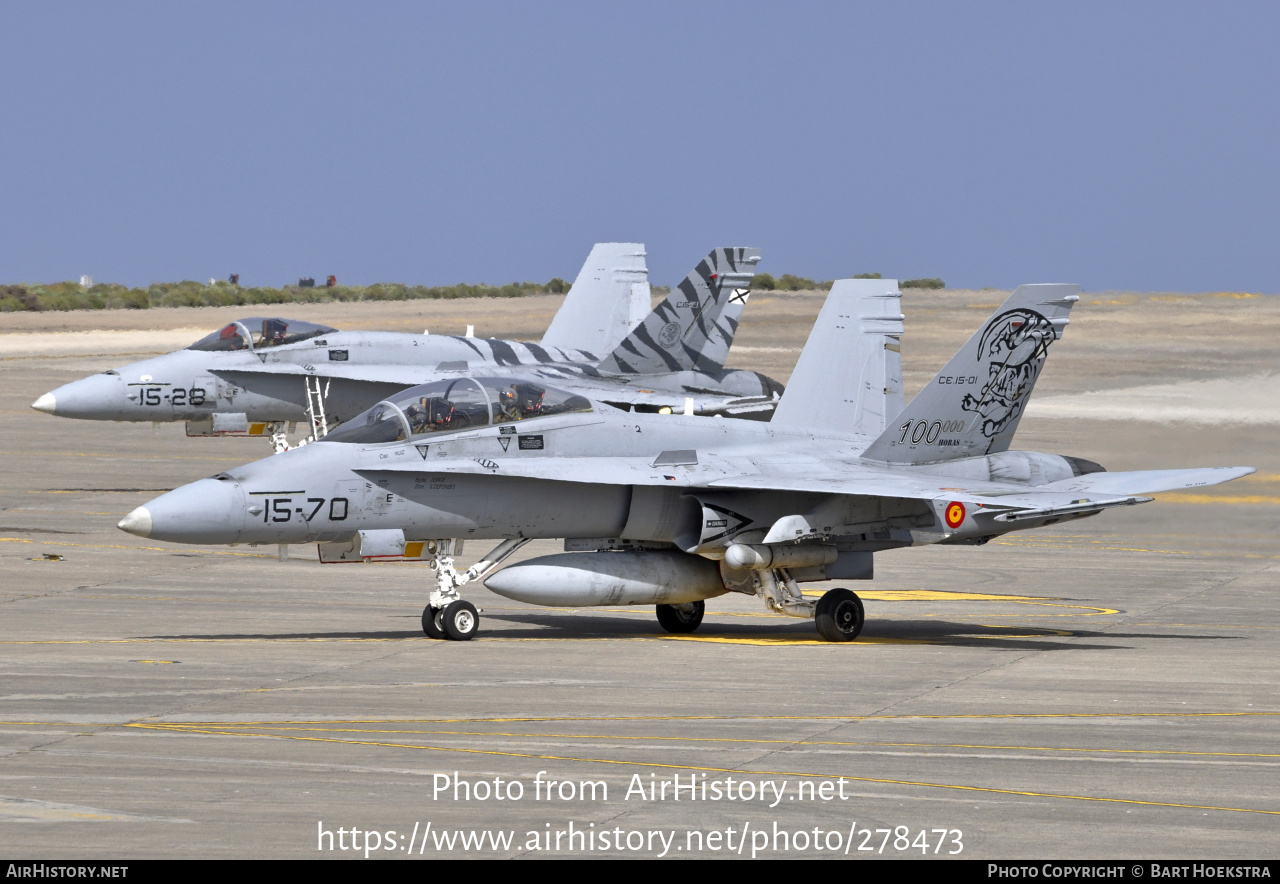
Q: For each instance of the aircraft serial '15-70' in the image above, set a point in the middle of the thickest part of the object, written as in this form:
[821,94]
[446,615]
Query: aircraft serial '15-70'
[255,375]
[672,511]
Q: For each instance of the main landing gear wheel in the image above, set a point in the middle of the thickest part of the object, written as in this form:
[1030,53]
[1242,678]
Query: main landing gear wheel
[460,620]
[839,616]
[681,618]
[431,622]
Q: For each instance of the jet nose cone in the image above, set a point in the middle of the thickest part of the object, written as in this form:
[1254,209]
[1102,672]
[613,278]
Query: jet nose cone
[97,397]
[137,522]
[207,511]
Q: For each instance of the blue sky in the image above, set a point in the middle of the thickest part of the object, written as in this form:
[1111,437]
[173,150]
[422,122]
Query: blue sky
[1118,145]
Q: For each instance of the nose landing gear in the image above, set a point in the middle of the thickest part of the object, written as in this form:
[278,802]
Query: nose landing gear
[458,621]
[447,615]
[431,622]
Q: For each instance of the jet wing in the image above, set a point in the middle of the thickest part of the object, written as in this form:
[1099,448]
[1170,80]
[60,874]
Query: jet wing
[1149,481]
[1088,492]
[997,496]
[856,481]
[662,469]
[692,470]
[399,375]
[386,379]
[347,390]
[688,469]
[622,394]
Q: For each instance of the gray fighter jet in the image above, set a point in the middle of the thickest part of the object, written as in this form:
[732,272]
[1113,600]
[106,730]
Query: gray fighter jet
[607,300]
[672,361]
[256,375]
[672,511]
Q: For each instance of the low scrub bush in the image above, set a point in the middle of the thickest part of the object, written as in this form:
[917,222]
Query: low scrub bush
[188,293]
[787,282]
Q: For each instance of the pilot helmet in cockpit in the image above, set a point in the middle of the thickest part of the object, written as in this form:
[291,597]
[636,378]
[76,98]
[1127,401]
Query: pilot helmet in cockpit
[231,334]
[529,398]
[273,331]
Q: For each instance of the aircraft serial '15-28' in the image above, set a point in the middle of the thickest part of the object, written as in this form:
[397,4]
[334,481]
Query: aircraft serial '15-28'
[255,375]
[671,511]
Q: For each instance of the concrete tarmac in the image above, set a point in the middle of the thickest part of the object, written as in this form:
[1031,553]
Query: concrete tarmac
[1108,688]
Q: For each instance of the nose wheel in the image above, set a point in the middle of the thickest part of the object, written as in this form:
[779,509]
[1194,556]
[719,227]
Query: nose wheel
[431,622]
[458,621]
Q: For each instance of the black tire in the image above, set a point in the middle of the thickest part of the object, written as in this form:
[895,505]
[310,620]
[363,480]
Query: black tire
[681,618]
[431,622]
[460,621]
[839,616]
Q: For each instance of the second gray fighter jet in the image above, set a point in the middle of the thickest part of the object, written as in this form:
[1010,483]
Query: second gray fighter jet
[255,376]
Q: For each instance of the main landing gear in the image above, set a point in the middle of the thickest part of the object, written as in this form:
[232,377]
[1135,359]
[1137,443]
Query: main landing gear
[681,618]
[838,614]
[447,614]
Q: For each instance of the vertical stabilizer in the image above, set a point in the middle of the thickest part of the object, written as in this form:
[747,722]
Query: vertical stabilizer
[608,299]
[674,336]
[849,376]
[972,407]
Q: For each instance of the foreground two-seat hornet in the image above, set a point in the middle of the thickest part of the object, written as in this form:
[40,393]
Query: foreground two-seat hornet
[674,510]
[257,375]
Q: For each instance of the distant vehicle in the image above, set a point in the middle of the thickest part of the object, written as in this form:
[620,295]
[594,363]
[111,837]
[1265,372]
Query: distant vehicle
[672,511]
[256,375]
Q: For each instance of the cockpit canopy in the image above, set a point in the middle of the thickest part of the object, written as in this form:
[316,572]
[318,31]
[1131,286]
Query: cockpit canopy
[453,405]
[257,332]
